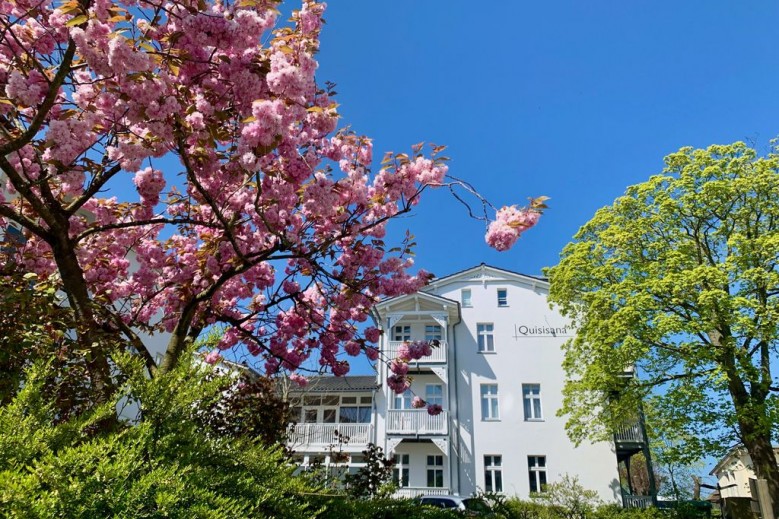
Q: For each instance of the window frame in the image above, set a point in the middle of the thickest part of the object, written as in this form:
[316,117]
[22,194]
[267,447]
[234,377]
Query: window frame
[434,399]
[493,473]
[485,337]
[503,302]
[490,402]
[400,470]
[403,331]
[466,302]
[532,402]
[405,399]
[435,469]
[536,468]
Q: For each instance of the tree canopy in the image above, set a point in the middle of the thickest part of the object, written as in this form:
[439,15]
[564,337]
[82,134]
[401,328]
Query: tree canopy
[678,279]
[252,212]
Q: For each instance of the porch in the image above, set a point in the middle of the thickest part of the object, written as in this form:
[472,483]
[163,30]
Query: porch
[324,434]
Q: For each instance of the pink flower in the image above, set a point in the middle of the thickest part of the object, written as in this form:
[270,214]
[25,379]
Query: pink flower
[418,403]
[404,352]
[398,383]
[510,222]
[213,357]
[372,334]
[434,409]
[300,380]
[398,367]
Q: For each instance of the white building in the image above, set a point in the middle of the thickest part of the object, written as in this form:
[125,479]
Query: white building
[498,376]
[734,471]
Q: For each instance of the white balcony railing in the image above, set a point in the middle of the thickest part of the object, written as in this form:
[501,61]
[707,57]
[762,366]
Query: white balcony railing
[324,433]
[410,492]
[438,356]
[629,433]
[416,421]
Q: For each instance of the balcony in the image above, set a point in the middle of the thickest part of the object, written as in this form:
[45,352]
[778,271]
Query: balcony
[323,434]
[416,422]
[438,356]
[411,492]
[631,501]
[629,433]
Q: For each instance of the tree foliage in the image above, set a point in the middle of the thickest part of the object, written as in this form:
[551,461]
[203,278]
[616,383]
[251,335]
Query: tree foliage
[252,210]
[679,279]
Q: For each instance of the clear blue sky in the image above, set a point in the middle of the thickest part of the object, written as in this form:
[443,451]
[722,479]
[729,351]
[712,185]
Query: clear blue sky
[569,99]
[573,100]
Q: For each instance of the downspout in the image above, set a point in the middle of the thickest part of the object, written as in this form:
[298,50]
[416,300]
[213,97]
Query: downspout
[455,434]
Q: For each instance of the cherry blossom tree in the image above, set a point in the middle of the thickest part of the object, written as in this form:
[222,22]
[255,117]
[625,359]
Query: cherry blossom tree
[272,221]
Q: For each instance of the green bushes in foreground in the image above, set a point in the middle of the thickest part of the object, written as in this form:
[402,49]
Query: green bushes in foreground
[172,463]
[166,465]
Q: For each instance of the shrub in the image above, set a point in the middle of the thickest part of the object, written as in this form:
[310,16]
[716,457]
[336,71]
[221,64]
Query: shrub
[166,465]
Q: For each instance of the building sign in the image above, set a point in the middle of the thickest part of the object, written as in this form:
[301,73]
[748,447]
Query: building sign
[523,330]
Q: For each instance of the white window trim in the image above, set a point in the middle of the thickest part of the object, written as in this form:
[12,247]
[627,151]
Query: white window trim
[470,298]
[497,295]
[492,469]
[485,334]
[540,403]
[487,398]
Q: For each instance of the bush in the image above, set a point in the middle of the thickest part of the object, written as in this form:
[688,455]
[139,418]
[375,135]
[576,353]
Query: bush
[341,507]
[167,465]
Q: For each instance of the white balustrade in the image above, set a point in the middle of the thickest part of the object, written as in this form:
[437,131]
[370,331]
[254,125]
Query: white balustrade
[410,492]
[437,357]
[416,421]
[324,433]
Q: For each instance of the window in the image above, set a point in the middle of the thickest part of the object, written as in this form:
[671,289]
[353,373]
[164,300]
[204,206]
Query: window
[355,414]
[489,402]
[435,471]
[531,396]
[403,401]
[434,394]
[503,297]
[465,297]
[536,468]
[402,333]
[400,470]
[485,338]
[493,475]
[433,332]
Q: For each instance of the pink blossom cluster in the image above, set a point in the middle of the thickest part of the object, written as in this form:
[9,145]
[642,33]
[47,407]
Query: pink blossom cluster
[274,222]
[509,224]
[414,350]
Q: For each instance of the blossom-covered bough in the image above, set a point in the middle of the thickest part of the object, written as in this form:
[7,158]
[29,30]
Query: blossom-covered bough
[269,223]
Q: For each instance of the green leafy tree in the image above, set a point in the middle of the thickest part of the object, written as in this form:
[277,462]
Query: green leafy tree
[679,279]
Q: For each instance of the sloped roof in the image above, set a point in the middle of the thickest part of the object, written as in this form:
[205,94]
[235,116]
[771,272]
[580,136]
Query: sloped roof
[331,384]
[484,266]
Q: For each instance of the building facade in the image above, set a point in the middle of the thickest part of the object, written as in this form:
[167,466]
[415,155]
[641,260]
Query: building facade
[497,373]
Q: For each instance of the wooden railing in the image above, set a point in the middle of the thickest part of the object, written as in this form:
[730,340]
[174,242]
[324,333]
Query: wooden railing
[416,421]
[410,492]
[437,357]
[324,433]
[629,433]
